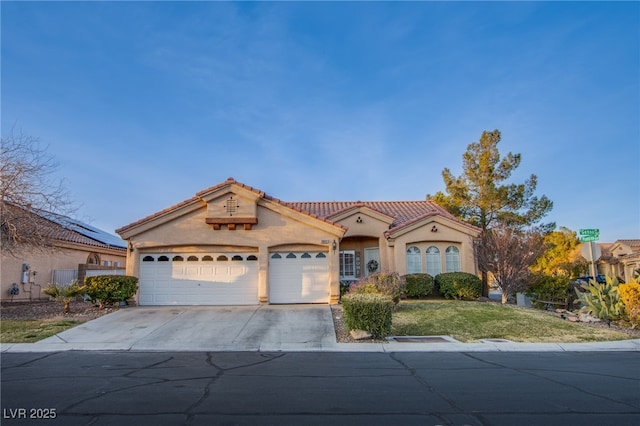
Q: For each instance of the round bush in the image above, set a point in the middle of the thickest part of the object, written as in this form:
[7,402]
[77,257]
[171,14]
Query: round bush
[387,283]
[418,286]
[459,285]
[110,289]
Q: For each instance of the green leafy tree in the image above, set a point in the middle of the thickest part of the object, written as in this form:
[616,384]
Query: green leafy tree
[562,256]
[482,195]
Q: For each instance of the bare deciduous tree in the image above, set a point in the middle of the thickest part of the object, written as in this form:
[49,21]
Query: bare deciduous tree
[508,254]
[29,191]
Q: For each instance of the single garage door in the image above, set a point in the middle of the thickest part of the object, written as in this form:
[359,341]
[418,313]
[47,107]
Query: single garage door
[298,277]
[198,279]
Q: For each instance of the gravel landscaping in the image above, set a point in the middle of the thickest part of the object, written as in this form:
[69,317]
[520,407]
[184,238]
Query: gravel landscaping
[47,310]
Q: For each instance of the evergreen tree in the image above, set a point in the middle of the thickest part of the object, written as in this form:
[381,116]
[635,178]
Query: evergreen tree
[482,195]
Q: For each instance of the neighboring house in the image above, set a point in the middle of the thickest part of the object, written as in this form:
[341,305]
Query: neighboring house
[77,250]
[620,259]
[232,244]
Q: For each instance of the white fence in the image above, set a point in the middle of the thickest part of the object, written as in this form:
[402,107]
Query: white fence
[95,272]
[63,277]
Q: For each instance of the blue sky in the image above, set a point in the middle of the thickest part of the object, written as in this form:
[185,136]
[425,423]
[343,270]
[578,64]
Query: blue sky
[144,104]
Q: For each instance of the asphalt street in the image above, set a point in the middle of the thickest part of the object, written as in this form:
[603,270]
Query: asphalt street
[317,388]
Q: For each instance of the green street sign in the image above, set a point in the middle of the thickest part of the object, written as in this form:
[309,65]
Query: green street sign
[588,238]
[595,232]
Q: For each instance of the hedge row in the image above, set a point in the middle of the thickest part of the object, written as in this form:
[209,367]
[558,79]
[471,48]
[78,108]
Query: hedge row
[457,285]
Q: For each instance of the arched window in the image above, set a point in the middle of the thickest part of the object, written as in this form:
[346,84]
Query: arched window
[207,258]
[306,256]
[163,259]
[452,256]
[252,257]
[291,256]
[276,256]
[414,262]
[222,258]
[434,266]
[93,259]
[236,257]
[148,259]
[177,258]
[192,259]
[320,255]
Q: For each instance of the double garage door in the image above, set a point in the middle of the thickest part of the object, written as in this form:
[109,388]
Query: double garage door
[231,279]
[198,279]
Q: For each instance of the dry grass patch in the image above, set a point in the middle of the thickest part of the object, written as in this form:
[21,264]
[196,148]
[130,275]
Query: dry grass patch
[29,331]
[473,321]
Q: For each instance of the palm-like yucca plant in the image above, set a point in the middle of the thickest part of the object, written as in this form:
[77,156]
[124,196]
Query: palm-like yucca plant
[64,294]
[602,300]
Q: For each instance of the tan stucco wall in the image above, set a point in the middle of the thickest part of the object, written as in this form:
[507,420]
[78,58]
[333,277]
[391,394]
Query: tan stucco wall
[423,238]
[67,257]
[184,228]
[191,233]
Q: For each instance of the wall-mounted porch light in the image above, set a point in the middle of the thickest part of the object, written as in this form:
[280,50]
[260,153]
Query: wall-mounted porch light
[334,245]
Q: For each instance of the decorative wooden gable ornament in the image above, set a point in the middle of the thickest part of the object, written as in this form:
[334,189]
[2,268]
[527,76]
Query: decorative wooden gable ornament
[231,207]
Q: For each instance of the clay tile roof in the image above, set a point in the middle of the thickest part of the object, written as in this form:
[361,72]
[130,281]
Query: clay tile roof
[631,243]
[403,212]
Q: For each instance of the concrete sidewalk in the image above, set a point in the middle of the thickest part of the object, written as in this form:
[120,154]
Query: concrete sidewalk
[265,328]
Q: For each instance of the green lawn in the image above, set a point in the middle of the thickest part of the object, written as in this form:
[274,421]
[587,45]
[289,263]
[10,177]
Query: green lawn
[473,321]
[29,331]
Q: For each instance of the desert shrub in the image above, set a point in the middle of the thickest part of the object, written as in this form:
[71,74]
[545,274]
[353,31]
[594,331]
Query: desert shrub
[110,289]
[602,300]
[368,312]
[630,296]
[418,285]
[64,294]
[386,283]
[546,288]
[459,285]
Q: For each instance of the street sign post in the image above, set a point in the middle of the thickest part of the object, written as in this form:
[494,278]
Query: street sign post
[591,251]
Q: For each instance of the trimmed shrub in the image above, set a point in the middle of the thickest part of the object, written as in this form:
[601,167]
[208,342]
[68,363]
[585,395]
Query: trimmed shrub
[546,289]
[459,285]
[110,289]
[386,283]
[630,296]
[418,286]
[368,312]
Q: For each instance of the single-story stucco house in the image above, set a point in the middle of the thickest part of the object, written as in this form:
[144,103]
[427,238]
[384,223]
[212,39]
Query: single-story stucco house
[77,249]
[232,244]
[620,259]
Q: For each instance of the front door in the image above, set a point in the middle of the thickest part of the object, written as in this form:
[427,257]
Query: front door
[371,260]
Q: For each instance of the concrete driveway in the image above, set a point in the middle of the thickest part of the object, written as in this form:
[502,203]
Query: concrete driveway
[204,328]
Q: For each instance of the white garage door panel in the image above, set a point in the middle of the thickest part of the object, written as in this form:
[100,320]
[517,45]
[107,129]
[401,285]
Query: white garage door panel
[198,282]
[298,279]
